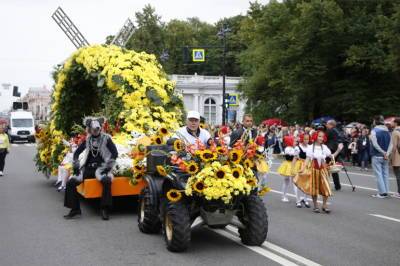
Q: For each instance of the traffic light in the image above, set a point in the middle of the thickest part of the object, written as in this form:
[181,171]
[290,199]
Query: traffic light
[227,100]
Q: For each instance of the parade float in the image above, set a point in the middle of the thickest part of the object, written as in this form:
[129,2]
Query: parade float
[129,89]
[181,186]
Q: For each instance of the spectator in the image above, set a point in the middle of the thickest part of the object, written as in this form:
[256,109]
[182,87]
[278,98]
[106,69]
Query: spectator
[395,159]
[381,147]
[333,142]
[353,151]
[363,148]
[247,128]
[4,147]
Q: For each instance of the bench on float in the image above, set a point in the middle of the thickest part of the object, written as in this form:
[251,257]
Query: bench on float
[92,188]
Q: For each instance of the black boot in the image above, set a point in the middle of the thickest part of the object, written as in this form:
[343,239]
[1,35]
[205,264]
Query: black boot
[104,214]
[72,214]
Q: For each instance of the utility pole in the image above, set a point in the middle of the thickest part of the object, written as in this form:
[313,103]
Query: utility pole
[222,34]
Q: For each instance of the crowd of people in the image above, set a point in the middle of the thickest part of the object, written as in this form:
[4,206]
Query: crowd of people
[377,146]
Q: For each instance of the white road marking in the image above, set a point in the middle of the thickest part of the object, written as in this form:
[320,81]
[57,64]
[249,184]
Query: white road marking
[294,196]
[280,250]
[259,250]
[385,217]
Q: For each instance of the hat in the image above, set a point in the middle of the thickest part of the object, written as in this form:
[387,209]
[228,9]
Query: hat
[193,114]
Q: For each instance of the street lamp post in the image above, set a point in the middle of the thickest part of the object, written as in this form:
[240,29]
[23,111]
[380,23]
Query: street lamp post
[222,34]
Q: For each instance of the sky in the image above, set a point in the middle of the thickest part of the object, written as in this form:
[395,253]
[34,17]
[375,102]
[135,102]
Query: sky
[32,44]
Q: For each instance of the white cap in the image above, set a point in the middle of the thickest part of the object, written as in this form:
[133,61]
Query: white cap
[193,114]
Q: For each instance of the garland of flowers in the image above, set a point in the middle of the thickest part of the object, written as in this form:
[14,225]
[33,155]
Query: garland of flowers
[129,87]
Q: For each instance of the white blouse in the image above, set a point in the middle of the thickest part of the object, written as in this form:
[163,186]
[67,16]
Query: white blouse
[292,151]
[319,153]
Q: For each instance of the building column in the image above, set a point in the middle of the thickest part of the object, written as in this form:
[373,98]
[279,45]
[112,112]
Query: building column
[196,103]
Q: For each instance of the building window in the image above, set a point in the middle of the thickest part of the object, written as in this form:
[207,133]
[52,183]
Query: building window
[210,111]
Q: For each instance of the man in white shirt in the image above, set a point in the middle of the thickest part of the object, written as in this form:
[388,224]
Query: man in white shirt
[192,131]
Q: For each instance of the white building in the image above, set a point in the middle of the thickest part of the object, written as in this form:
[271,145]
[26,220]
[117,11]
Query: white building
[204,94]
[39,100]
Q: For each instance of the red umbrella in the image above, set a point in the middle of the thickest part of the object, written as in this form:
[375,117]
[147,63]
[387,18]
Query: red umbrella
[274,122]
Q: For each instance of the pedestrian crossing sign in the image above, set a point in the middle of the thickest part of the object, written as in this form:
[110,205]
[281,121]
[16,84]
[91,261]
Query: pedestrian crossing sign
[199,55]
[233,99]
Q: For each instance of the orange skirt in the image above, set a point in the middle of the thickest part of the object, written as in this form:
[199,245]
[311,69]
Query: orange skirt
[314,182]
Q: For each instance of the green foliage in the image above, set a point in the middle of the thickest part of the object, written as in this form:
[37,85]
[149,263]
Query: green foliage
[312,58]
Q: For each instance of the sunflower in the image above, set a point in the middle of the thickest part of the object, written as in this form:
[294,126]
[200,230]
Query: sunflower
[192,167]
[174,195]
[237,172]
[249,163]
[263,191]
[137,168]
[139,176]
[207,155]
[252,182]
[221,150]
[163,131]
[161,170]
[178,145]
[199,186]
[220,174]
[235,155]
[158,140]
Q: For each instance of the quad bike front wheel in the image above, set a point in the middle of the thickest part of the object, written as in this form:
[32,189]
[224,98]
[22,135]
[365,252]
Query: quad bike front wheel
[255,220]
[148,218]
[176,226]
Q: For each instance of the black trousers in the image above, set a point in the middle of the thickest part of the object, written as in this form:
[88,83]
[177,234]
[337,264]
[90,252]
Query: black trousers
[335,176]
[2,160]
[396,170]
[71,199]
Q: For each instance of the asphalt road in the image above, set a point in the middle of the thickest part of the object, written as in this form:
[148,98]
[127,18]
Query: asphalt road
[361,230]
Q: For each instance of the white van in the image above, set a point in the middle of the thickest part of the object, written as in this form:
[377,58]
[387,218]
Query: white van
[22,126]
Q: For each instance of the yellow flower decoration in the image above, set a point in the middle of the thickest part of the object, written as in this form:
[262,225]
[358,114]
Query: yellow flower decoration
[199,186]
[178,145]
[207,156]
[161,170]
[252,182]
[235,156]
[220,174]
[192,167]
[174,195]
[249,163]
[237,172]
[139,168]
[158,140]
[163,132]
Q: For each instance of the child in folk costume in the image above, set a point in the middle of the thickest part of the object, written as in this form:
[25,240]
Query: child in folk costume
[286,169]
[318,184]
[299,162]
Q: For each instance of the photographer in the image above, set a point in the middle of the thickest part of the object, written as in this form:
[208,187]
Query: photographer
[333,141]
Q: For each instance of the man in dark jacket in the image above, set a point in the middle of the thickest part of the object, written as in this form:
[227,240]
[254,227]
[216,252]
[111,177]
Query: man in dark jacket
[333,142]
[246,132]
[99,155]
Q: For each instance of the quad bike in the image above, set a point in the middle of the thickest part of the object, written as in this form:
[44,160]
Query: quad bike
[177,219]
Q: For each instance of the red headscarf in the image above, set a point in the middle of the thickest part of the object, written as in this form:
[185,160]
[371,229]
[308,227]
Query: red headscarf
[314,137]
[289,141]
